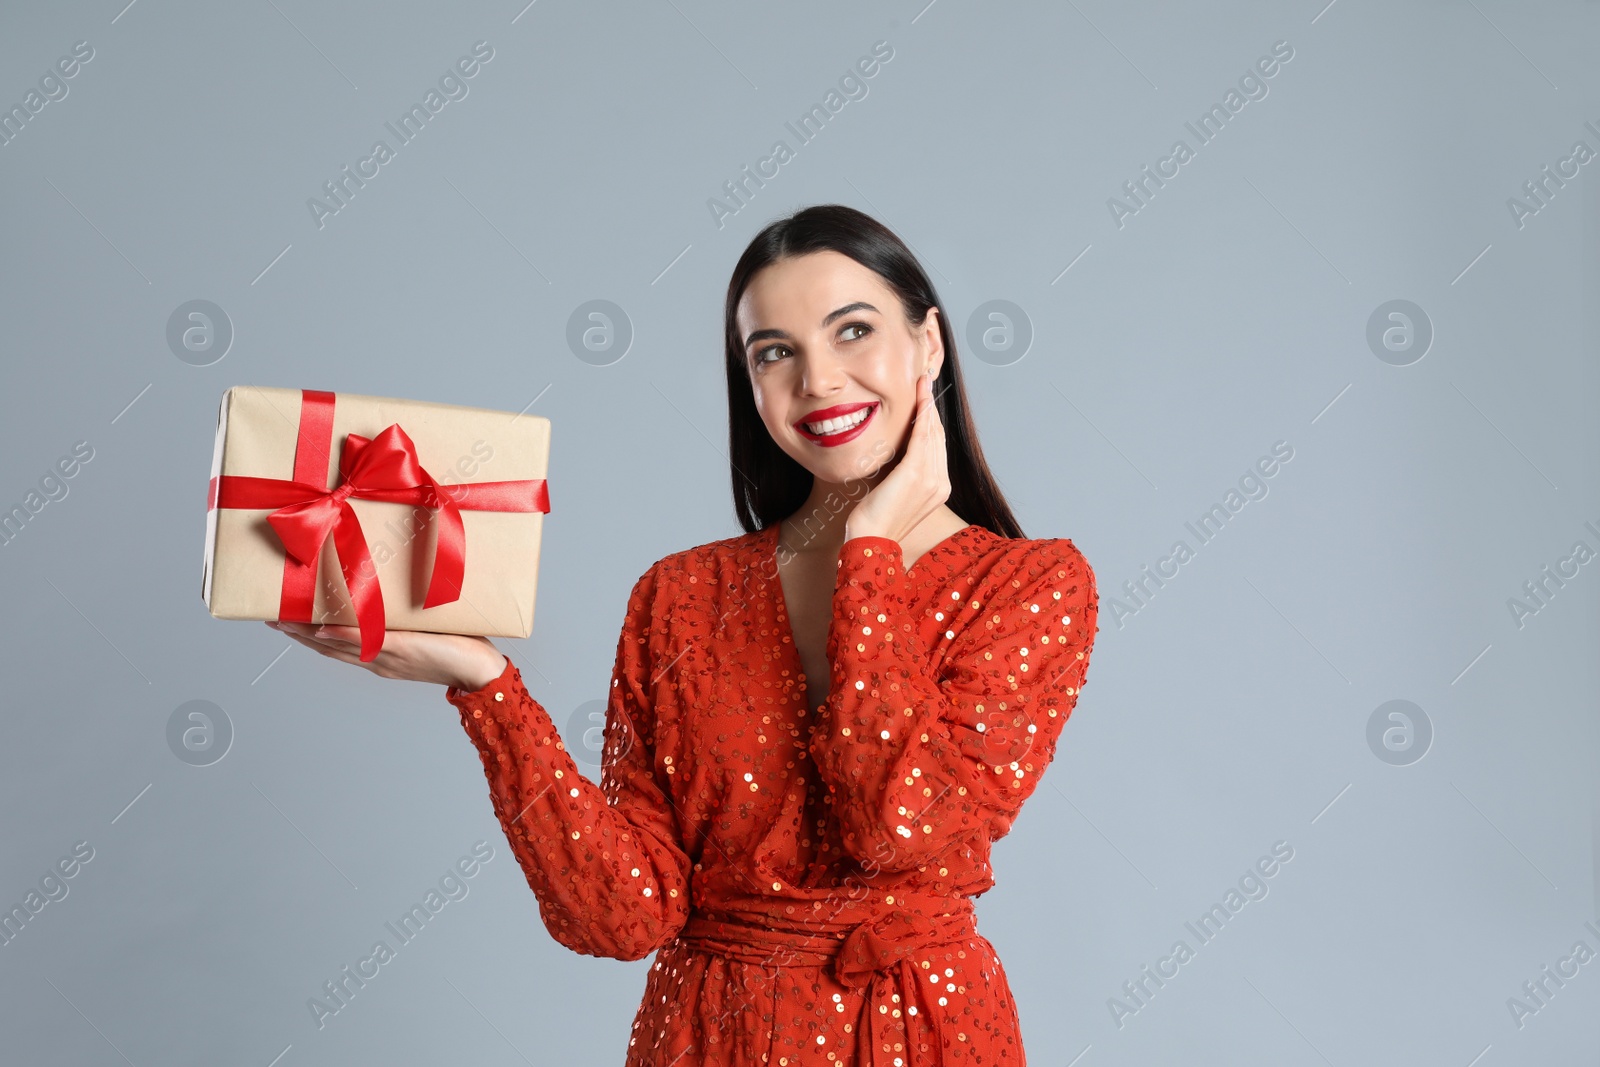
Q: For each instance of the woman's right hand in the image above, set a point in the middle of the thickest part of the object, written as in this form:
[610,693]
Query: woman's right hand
[445,659]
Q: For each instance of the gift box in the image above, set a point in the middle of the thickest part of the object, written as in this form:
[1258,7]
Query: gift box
[375,512]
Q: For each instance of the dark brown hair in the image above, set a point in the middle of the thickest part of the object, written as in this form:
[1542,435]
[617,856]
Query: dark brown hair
[769,485]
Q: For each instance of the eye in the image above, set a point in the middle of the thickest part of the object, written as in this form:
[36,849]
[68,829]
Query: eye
[863,327]
[760,357]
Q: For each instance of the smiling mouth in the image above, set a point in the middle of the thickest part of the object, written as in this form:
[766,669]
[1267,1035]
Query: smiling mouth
[839,428]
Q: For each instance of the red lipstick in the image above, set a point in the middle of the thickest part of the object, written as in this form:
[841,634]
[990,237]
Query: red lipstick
[837,411]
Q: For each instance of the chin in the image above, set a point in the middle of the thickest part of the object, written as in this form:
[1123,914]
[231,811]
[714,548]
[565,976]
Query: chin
[855,461]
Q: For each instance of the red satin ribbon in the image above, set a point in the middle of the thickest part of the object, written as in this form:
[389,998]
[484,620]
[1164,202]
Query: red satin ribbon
[381,468]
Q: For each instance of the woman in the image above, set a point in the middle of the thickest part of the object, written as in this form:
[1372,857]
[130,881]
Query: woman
[815,729]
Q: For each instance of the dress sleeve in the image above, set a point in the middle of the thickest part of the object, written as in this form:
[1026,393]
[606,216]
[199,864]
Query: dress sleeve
[918,763]
[605,862]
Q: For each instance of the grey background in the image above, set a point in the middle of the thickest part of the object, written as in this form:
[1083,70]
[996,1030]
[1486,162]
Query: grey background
[1228,713]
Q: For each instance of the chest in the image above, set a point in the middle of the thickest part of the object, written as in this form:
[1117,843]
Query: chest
[807,590]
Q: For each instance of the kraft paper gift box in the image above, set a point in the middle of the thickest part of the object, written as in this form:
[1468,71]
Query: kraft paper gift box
[375,512]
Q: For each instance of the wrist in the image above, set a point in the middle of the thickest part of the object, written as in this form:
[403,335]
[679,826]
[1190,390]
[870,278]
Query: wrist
[865,528]
[481,674]
[853,534]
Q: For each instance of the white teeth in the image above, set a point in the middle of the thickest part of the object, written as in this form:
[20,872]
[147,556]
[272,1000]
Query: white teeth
[833,426]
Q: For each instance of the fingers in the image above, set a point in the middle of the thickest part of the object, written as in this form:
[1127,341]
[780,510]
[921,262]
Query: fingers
[350,635]
[322,648]
[934,430]
[925,409]
[325,635]
[934,458]
[932,407]
[344,656]
[332,647]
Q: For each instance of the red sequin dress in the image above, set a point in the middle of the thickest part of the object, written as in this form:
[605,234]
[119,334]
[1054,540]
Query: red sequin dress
[806,880]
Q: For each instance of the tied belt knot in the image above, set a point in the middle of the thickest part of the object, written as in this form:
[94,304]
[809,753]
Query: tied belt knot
[874,955]
[855,953]
[878,944]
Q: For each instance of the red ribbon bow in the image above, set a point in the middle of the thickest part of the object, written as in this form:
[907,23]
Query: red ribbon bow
[381,468]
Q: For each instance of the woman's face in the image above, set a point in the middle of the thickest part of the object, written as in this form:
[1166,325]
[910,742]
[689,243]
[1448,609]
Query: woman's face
[833,362]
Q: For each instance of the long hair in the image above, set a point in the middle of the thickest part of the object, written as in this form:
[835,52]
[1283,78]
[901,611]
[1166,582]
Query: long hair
[768,484]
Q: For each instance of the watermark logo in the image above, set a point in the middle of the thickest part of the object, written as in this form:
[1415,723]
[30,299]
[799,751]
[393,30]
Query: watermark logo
[599,333]
[585,734]
[742,188]
[199,733]
[1141,190]
[52,889]
[1399,333]
[340,990]
[52,89]
[407,128]
[1539,591]
[1399,732]
[1251,886]
[199,333]
[1538,991]
[1541,190]
[999,333]
[1252,485]
[52,487]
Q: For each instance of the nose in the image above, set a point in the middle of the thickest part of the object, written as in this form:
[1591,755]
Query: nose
[821,373]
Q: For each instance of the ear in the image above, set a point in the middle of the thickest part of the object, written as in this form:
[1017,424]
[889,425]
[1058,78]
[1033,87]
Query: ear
[932,343]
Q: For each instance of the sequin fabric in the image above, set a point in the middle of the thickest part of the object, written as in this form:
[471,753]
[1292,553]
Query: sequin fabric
[806,880]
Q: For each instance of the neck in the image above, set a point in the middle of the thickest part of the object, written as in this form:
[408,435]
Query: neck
[818,524]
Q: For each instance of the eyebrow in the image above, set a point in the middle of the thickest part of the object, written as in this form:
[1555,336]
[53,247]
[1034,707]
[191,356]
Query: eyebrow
[837,313]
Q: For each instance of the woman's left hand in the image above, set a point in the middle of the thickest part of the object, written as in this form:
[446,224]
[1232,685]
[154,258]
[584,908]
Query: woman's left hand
[918,485]
[460,660]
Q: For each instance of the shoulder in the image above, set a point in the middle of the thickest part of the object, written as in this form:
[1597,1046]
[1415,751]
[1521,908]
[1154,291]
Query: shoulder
[1032,592]
[1032,558]
[1021,567]
[677,574]
[711,557]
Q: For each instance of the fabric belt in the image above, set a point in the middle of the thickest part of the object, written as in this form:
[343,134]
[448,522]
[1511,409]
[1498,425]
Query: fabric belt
[875,954]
